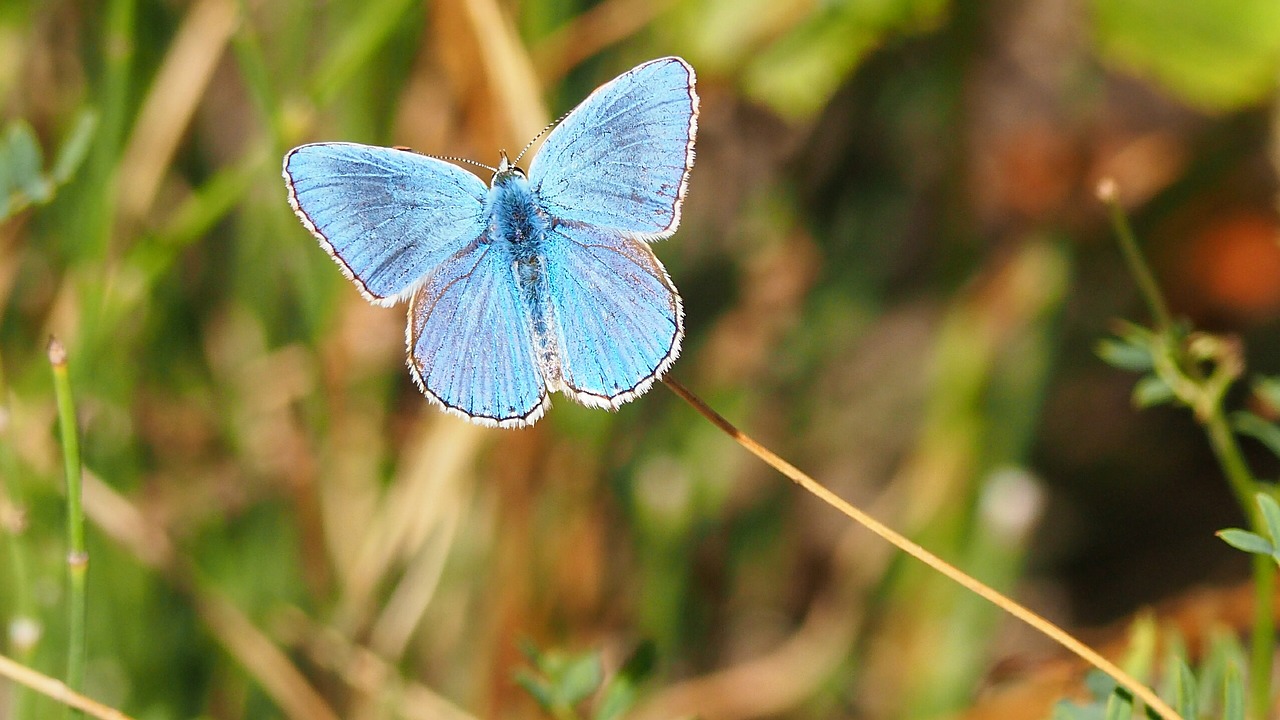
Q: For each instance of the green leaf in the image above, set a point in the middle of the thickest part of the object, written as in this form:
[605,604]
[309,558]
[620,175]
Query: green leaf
[1267,433]
[538,689]
[75,147]
[1184,690]
[1267,388]
[1217,55]
[579,679]
[1140,655]
[1132,333]
[1226,655]
[1232,694]
[620,692]
[1151,391]
[1246,541]
[26,162]
[1067,710]
[1119,706]
[618,698]
[1270,514]
[1099,684]
[1124,355]
[531,653]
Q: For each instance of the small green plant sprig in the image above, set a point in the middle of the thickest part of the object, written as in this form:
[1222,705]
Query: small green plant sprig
[561,682]
[1213,688]
[24,179]
[1267,545]
[1182,366]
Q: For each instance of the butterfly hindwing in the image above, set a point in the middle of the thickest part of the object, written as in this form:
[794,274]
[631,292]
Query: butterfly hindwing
[621,159]
[387,216]
[618,316]
[470,341]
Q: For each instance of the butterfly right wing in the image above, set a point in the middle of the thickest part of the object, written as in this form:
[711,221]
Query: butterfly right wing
[386,216]
[471,347]
[621,159]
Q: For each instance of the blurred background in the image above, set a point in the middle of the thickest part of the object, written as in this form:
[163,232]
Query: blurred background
[894,269]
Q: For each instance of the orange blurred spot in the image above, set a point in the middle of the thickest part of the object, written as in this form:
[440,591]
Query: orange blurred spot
[1236,264]
[1037,169]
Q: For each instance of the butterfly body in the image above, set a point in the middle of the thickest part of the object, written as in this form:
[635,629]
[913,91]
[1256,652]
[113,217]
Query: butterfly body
[539,282]
[517,230]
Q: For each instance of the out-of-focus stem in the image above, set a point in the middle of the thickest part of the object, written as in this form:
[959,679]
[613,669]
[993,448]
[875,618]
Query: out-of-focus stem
[1245,487]
[77,555]
[1142,274]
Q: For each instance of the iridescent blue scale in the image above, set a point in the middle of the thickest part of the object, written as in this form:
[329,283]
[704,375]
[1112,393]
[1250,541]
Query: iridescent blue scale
[536,283]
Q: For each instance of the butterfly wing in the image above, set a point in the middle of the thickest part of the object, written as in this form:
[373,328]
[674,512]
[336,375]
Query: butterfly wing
[470,344]
[387,216]
[618,316]
[621,159]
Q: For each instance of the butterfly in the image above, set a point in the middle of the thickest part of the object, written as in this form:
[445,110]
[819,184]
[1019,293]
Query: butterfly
[542,281]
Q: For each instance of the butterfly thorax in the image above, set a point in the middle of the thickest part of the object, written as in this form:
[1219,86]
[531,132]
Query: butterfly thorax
[514,216]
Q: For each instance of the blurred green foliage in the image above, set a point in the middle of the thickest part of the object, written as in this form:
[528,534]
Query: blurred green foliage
[1213,689]
[1218,55]
[24,179]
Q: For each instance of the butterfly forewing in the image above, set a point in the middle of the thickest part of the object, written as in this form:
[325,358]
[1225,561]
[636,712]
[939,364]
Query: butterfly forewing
[470,341]
[618,316]
[388,217]
[621,159]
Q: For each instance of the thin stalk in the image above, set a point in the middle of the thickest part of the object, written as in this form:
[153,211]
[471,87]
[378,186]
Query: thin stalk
[1137,263]
[1036,621]
[1239,477]
[77,555]
[57,690]
[1245,487]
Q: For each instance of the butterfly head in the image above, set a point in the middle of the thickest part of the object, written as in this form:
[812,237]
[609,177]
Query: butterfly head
[506,172]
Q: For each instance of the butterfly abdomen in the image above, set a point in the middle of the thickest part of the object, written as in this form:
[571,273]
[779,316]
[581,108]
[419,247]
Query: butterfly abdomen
[531,278]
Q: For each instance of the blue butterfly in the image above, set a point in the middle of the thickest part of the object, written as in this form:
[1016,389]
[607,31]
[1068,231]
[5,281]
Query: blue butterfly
[542,281]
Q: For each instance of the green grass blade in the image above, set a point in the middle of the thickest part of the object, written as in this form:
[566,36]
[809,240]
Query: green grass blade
[357,46]
[1232,694]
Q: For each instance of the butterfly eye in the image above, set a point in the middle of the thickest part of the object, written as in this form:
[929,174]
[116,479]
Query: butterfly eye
[506,173]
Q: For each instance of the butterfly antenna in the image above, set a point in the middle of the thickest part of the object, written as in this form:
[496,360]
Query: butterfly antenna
[454,158]
[490,168]
[538,137]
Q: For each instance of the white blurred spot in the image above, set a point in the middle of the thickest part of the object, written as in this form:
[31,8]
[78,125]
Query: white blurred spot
[24,633]
[1011,502]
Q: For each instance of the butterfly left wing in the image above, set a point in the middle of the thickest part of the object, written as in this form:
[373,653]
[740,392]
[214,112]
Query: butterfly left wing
[618,317]
[621,159]
[386,216]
